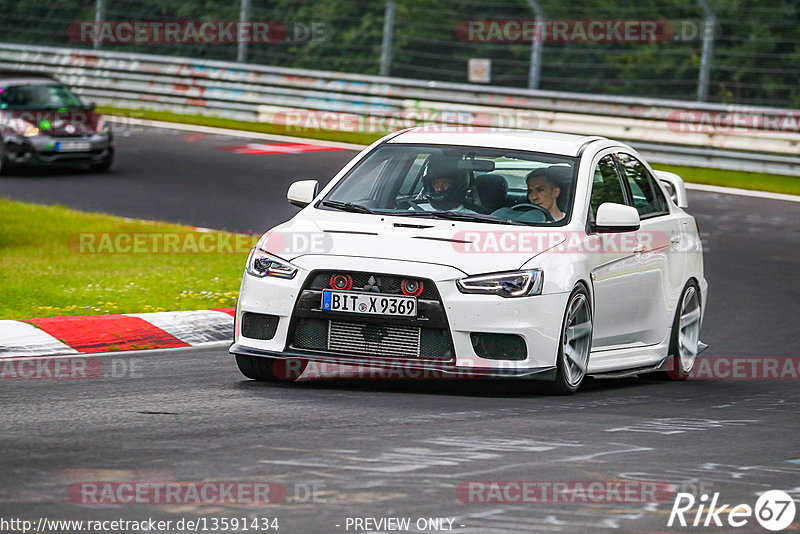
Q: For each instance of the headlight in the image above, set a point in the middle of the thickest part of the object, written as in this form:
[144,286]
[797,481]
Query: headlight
[261,264]
[26,129]
[511,284]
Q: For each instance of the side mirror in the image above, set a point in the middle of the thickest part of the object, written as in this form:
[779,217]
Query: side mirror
[301,193]
[90,106]
[613,217]
[676,187]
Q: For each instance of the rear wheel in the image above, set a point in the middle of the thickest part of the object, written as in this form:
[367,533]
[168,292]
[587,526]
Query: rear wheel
[270,370]
[685,339]
[575,343]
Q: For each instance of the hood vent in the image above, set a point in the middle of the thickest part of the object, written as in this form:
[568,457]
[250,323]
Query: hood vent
[415,226]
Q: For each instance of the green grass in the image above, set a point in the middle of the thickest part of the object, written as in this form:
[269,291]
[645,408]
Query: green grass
[357,138]
[699,175]
[44,273]
[758,181]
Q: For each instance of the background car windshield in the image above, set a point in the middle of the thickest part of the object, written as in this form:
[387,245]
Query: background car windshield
[38,96]
[414,179]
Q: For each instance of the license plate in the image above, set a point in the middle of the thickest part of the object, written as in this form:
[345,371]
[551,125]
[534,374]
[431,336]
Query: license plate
[73,146]
[347,301]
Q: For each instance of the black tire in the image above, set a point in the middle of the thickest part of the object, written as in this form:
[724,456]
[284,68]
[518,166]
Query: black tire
[675,369]
[4,164]
[566,383]
[103,165]
[270,370]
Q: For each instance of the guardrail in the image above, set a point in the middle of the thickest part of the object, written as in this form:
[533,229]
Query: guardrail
[679,132]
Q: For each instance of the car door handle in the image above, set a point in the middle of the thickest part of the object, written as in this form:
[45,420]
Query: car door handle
[675,239]
[639,249]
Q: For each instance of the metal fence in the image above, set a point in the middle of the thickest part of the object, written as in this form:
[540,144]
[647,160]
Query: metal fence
[714,135]
[729,51]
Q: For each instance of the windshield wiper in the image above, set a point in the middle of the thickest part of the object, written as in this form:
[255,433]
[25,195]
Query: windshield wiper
[347,206]
[462,216]
[454,216]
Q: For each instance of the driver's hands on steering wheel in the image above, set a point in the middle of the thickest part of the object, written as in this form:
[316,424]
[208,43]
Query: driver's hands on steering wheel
[529,207]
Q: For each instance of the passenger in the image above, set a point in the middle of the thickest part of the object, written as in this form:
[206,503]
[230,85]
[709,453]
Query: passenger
[543,191]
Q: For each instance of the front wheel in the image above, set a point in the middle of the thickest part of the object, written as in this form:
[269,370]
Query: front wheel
[575,343]
[270,370]
[3,160]
[103,165]
[683,347]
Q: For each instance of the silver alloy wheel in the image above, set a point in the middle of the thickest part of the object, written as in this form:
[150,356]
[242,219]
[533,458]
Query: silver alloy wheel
[689,329]
[577,339]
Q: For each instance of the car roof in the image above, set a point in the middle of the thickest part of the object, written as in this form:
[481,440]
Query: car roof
[17,77]
[531,140]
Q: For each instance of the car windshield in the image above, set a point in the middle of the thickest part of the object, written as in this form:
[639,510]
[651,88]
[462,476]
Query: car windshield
[461,183]
[38,96]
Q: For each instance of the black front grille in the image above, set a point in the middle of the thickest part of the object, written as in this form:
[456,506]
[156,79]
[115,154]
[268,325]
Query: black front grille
[425,336]
[369,339]
[311,334]
[385,283]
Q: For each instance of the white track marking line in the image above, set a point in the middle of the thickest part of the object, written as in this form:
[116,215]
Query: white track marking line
[743,192]
[240,133]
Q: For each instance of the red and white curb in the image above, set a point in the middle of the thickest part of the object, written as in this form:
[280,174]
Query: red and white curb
[110,333]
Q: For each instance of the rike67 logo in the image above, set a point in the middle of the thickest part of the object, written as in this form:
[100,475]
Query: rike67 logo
[774,510]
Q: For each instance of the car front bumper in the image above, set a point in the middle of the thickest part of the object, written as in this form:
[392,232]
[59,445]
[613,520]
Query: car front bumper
[536,319]
[41,150]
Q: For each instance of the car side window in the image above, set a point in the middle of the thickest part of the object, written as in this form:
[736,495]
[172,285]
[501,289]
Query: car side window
[647,197]
[606,184]
[412,183]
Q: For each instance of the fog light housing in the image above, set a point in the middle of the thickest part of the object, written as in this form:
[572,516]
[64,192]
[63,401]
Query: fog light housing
[259,325]
[499,346]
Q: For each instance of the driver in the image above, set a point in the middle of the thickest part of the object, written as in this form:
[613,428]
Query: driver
[543,190]
[444,186]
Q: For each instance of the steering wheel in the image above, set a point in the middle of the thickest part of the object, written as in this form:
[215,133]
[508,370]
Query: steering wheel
[528,207]
[407,203]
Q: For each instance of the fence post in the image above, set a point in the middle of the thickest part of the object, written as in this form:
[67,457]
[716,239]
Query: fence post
[388,32]
[709,23]
[99,16]
[244,16]
[536,49]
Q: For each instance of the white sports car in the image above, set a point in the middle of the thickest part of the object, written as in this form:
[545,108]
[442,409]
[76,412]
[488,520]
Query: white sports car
[481,253]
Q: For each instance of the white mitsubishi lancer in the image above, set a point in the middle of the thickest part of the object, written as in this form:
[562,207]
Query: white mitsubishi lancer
[499,253]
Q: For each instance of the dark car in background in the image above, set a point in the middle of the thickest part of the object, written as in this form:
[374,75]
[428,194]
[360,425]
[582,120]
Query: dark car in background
[42,122]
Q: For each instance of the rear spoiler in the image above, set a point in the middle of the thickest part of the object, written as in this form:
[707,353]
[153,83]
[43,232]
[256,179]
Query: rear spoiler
[675,187]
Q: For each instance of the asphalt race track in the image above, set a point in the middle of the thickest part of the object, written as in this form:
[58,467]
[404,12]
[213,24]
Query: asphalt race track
[347,449]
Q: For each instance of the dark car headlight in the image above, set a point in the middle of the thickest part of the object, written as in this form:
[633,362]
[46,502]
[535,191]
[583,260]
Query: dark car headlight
[508,284]
[262,264]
